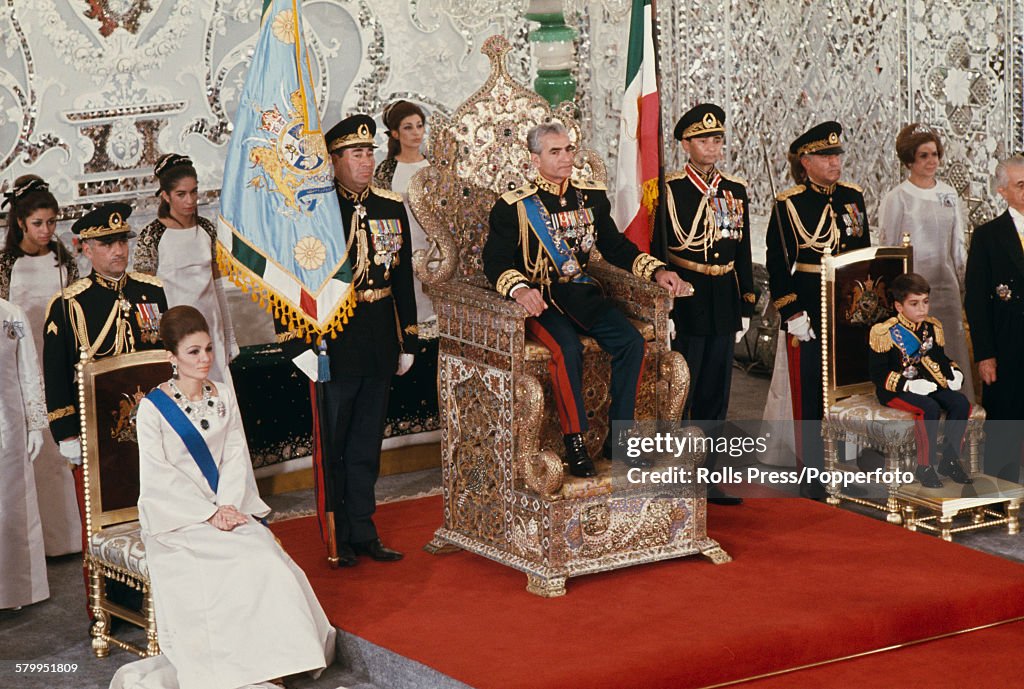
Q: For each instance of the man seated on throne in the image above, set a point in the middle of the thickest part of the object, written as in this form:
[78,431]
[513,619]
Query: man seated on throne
[541,236]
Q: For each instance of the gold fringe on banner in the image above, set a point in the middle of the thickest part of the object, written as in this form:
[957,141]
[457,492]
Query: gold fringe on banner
[282,309]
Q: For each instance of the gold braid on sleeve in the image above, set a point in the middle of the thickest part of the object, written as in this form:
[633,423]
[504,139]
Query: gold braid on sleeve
[644,266]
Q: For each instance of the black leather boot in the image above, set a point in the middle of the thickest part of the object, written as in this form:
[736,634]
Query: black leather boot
[952,468]
[928,477]
[576,456]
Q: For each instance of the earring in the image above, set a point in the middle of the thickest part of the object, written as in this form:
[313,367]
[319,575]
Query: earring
[174,371]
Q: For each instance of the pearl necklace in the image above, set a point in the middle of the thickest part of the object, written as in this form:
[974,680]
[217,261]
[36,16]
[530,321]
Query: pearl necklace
[198,411]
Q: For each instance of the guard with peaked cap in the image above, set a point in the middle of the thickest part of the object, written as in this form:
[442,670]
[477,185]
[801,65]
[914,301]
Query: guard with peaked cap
[821,213]
[108,313]
[376,343]
[705,220]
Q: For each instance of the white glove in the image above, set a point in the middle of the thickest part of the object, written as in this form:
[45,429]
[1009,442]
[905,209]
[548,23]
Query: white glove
[744,327]
[957,381]
[800,328]
[307,363]
[34,444]
[71,450]
[920,386]
[404,363]
[671,329]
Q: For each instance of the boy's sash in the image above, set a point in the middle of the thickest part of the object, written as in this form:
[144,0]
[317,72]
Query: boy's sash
[194,442]
[905,339]
[559,251]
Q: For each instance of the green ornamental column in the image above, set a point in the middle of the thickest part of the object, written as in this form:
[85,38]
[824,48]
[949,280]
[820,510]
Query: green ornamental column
[553,50]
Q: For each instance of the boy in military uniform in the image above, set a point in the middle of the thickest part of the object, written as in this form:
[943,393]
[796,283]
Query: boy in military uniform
[560,221]
[819,214]
[911,371]
[708,245]
[108,313]
[375,345]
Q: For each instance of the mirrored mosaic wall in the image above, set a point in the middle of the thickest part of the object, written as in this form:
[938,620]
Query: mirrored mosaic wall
[92,91]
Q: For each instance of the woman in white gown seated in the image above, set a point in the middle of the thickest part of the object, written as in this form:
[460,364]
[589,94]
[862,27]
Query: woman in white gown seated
[232,608]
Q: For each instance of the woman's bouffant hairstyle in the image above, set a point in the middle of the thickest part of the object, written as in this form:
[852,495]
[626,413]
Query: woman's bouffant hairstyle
[29,194]
[178,323]
[170,169]
[393,116]
[796,168]
[910,139]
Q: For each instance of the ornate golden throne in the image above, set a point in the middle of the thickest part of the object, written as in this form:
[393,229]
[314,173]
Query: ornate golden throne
[506,494]
[109,391]
[853,298]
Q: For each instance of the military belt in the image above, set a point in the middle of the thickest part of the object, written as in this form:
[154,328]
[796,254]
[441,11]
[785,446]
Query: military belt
[372,295]
[713,269]
[808,267]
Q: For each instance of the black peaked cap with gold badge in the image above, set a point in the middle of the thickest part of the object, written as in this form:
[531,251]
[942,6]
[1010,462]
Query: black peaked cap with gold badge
[107,223]
[706,119]
[352,132]
[821,139]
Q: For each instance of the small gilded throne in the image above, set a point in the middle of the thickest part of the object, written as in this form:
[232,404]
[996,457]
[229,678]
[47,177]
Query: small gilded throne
[506,494]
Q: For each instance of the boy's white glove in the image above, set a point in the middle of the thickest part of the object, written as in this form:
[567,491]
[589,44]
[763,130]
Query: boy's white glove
[800,328]
[919,386]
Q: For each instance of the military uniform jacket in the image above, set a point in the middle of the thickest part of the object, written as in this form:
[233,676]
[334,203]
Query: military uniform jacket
[805,220]
[514,255]
[994,296]
[377,233]
[901,352]
[710,226]
[106,317]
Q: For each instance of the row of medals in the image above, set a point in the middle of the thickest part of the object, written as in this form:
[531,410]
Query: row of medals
[566,229]
[910,371]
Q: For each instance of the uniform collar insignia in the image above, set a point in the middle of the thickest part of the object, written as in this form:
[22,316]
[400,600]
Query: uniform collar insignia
[905,322]
[822,190]
[109,282]
[550,187]
[347,193]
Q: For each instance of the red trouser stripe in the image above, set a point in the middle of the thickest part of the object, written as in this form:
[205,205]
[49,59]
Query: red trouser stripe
[795,396]
[565,401]
[920,432]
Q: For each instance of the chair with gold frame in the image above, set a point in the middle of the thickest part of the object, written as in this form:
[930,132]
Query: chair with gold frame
[109,392]
[506,494]
[854,296]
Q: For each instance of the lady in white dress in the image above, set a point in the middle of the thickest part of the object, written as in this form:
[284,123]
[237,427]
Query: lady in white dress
[232,609]
[412,413]
[180,248]
[22,422]
[34,266]
[931,212]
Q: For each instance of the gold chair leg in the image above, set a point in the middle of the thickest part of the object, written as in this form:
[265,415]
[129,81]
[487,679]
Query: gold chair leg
[892,505]
[1013,517]
[946,522]
[545,587]
[831,462]
[152,641]
[910,518]
[101,619]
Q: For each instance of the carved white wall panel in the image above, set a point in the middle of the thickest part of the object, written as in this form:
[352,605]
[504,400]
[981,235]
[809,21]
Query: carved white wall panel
[92,91]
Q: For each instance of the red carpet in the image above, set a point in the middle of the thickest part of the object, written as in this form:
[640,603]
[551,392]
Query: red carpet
[809,583]
[986,658]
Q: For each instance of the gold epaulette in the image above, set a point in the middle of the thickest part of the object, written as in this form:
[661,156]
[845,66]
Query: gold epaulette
[733,178]
[880,339]
[386,194]
[792,191]
[72,290]
[517,195]
[673,176]
[147,279]
[940,337]
[851,185]
[590,184]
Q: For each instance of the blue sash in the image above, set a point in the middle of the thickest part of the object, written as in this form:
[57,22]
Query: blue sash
[558,250]
[189,435]
[905,339]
